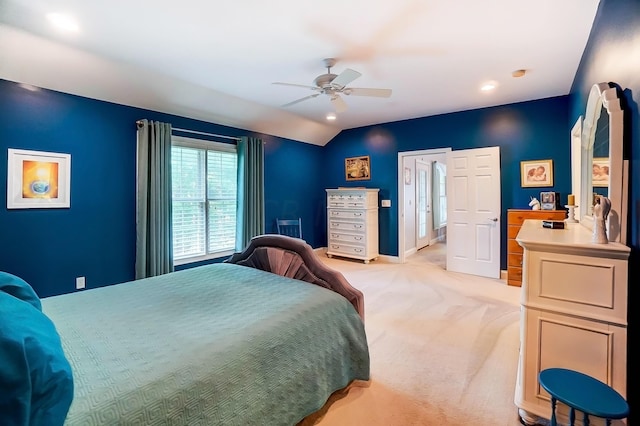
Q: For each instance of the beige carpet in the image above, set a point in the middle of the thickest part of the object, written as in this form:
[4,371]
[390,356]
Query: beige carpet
[444,347]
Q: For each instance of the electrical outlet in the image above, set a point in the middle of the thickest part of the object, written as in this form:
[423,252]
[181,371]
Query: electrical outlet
[386,203]
[80,283]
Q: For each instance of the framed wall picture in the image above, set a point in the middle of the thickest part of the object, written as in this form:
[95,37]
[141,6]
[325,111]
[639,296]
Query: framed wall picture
[38,180]
[536,173]
[600,176]
[357,168]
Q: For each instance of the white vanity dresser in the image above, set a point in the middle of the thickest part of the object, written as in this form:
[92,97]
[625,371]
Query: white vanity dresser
[574,291]
[573,311]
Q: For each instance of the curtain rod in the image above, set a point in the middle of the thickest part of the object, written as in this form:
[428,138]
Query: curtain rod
[199,133]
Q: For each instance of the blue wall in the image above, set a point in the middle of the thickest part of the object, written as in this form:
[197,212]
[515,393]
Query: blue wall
[611,55]
[533,130]
[95,238]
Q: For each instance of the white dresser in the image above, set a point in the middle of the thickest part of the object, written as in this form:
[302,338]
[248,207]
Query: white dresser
[573,312]
[352,223]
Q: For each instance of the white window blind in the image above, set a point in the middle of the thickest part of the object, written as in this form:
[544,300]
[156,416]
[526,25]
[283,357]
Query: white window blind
[204,198]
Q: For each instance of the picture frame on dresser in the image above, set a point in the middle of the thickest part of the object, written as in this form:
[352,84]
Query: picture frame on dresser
[357,168]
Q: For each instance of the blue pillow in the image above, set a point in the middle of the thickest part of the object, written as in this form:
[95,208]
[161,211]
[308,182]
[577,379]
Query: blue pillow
[36,381]
[17,287]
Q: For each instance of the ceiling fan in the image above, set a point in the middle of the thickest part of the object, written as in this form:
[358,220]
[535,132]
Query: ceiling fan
[333,85]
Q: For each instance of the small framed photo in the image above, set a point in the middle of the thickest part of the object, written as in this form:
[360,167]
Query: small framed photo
[536,173]
[357,168]
[600,174]
[38,180]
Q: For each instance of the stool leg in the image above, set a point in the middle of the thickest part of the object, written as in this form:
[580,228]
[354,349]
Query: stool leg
[553,412]
[572,416]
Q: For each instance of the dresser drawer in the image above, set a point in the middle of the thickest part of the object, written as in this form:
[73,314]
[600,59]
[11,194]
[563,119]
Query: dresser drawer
[514,274]
[341,225]
[518,217]
[347,214]
[345,238]
[512,231]
[514,259]
[514,247]
[351,250]
[347,201]
[593,287]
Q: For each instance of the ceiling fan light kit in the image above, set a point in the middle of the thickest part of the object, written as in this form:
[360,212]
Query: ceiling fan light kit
[335,84]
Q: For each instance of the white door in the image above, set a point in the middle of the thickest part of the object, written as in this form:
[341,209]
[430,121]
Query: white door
[473,210]
[424,218]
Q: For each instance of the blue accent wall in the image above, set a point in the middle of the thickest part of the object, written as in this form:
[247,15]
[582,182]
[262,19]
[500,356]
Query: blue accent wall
[95,238]
[294,187]
[611,55]
[534,130]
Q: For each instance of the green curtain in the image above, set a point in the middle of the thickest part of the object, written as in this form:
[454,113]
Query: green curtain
[154,241]
[250,208]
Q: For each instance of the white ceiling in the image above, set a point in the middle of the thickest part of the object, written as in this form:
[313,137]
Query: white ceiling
[216,60]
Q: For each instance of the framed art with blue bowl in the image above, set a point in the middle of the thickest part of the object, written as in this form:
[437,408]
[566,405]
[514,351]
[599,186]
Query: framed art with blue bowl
[37,179]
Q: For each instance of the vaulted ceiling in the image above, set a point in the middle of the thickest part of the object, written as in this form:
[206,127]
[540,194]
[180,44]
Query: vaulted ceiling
[217,60]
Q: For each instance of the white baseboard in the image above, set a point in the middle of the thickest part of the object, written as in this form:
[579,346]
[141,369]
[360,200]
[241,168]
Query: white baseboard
[382,257]
[410,252]
[503,275]
[390,259]
[437,239]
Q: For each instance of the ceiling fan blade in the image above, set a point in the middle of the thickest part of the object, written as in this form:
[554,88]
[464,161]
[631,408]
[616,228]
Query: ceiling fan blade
[339,104]
[363,91]
[301,99]
[344,78]
[297,85]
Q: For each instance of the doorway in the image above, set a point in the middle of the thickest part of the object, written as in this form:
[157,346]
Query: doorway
[479,255]
[413,211]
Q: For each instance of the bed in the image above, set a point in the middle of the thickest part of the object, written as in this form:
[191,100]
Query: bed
[263,338]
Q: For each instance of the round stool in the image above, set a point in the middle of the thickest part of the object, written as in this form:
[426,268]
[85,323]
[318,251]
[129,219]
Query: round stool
[583,393]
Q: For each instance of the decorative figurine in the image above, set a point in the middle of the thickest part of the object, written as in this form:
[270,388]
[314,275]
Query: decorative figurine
[534,204]
[601,210]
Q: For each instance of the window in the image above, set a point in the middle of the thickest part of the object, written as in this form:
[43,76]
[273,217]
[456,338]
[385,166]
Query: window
[204,192]
[439,195]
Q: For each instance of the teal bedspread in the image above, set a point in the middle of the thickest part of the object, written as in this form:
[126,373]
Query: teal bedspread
[220,344]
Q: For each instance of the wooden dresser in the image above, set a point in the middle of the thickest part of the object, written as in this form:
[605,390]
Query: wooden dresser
[515,218]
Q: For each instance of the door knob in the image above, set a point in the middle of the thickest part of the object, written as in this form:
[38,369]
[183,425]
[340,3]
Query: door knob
[494,219]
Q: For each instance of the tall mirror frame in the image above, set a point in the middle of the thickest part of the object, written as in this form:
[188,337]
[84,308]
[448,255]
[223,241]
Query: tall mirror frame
[603,99]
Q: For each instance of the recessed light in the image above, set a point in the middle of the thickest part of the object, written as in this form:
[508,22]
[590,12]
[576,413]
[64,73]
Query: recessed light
[331,116]
[63,22]
[488,86]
